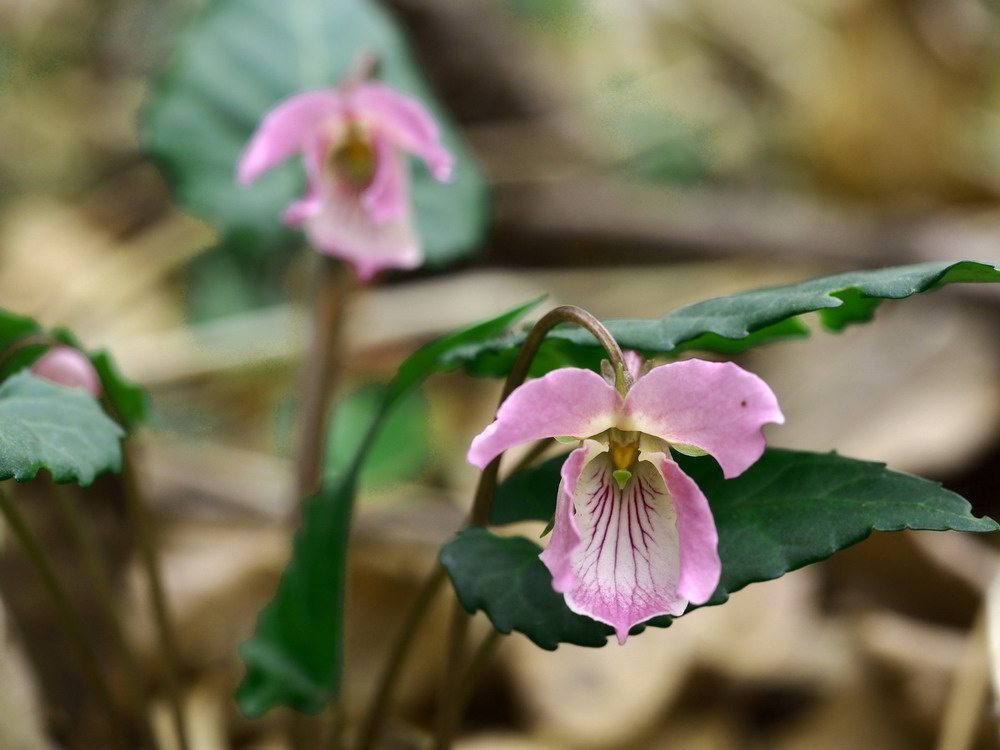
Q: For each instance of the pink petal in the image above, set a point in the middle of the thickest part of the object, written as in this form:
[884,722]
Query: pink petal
[70,367]
[627,567]
[699,541]
[345,229]
[407,123]
[715,406]
[570,401]
[286,129]
[565,539]
[388,195]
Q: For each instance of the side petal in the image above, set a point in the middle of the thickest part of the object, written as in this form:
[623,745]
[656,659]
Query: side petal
[570,401]
[558,555]
[627,567]
[406,121]
[387,197]
[286,129]
[716,406]
[699,541]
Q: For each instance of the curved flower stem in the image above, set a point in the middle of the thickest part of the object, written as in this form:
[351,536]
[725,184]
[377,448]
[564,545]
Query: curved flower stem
[70,619]
[448,710]
[82,531]
[321,372]
[145,536]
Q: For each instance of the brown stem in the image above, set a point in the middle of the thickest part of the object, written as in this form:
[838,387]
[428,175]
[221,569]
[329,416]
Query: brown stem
[145,535]
[67,502]
[321,371]
[67,613]
[479,659]
[448,710]
[397,658]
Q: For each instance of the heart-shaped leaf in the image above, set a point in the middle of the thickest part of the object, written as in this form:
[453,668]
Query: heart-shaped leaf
[49,426]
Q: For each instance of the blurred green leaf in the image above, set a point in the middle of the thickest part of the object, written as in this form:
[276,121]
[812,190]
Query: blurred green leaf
[23,340]
[736,323]
[239,59]
[49,426]
[788,510]
[294,656]
[398,452]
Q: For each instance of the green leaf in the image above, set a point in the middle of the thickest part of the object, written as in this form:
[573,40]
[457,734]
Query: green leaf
[793,508]
[398,452]
[788,510]
[504,577]
[23,340]
[294,656]
[738,322]
[528,495]
[49,426]
[235,63]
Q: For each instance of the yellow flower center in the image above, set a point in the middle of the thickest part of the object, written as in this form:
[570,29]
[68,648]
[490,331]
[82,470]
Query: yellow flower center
[353,159]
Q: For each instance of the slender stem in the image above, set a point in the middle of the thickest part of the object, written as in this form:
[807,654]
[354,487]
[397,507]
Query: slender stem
[397,658]
[321,371]
[145,537]
[479,659]
[968,692]
[68,615]
[448,710]
[82,531]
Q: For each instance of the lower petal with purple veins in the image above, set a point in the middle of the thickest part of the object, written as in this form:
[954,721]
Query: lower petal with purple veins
[627,566]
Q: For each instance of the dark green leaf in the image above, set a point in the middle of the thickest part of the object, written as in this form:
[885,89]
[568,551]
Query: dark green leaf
[504,577]
[788,510]
[793,508]
[23,340]
[736,323]
[243,56]
[49,426]
[294,657]
[528,495]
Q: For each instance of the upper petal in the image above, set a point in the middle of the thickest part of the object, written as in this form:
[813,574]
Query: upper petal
[696,534]
[627,567]
[716,406]
[406,121]
[286,129]
[569,401]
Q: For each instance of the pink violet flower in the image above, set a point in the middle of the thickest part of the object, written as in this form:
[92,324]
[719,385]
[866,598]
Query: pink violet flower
[634,536]
[353,140]
[70,367]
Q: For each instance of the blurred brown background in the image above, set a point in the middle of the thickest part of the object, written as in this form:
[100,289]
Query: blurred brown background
[644,154]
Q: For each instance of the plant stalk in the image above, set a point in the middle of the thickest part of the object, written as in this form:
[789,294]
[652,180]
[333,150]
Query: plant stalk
[321,372]
[397,658]
[145,536]
[86,541]
[67,613]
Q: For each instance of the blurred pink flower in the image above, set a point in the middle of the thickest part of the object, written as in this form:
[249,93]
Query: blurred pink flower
[70,367]
[353,140]
[634,537]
